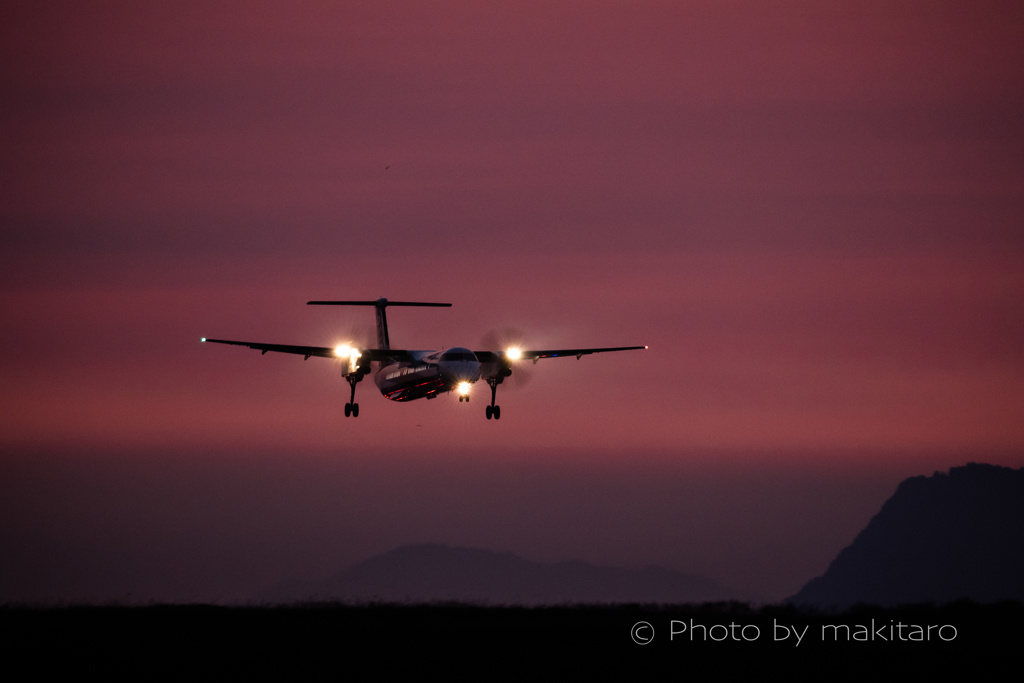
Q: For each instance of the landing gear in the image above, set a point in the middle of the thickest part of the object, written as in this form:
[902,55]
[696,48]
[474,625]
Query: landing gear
[493,410]
[463,398]
[352,408]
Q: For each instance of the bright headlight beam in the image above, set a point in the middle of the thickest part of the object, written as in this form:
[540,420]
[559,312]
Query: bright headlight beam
[513,353]
[343,351]
[463,388]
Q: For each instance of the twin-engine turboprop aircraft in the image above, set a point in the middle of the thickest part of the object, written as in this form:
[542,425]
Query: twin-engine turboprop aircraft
[407,375]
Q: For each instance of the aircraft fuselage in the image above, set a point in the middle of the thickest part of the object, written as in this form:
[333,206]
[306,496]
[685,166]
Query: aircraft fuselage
[427,375]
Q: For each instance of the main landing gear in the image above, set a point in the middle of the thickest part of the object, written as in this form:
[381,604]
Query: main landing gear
[493,410]
[352,408]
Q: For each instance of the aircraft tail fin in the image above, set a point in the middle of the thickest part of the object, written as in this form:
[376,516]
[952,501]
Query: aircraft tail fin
[383,341]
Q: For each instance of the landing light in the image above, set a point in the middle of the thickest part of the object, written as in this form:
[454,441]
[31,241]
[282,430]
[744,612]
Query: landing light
[342,351]
[463,388]
[513,354]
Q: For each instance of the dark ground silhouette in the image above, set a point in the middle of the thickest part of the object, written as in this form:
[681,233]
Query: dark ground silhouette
[487,641]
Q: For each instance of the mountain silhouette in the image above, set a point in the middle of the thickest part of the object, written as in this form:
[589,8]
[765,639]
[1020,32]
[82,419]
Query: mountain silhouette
[435,573]
[938,539]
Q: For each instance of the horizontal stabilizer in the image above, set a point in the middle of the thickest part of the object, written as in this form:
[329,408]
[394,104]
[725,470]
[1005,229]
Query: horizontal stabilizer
[383,341]
[385,302]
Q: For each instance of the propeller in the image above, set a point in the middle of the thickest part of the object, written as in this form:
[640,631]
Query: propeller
[361,336]
[501,339]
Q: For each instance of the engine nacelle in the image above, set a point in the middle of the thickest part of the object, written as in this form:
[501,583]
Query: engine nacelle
[355,367]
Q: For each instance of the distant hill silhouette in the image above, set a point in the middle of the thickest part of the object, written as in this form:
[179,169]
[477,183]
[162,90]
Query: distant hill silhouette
[433,573]
[938,539]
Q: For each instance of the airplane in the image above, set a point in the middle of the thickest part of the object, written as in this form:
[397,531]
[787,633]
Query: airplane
[403,375]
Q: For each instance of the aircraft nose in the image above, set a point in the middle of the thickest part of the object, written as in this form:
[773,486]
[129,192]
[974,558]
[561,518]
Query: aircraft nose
[460,371]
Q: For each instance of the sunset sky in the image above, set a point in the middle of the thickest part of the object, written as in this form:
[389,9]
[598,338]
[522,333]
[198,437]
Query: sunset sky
[813,214]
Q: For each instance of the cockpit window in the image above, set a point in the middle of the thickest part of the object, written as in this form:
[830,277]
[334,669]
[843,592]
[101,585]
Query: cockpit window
[456,355]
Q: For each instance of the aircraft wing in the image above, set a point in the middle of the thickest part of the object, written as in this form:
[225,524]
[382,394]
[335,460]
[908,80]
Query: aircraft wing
[492,357]
[321,351]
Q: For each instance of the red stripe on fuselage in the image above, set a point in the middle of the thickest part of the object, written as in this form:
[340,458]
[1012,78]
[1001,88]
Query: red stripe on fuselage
[411,386]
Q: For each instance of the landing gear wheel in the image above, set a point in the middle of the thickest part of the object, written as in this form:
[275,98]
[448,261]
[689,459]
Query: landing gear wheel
[493,410]
[352,408]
